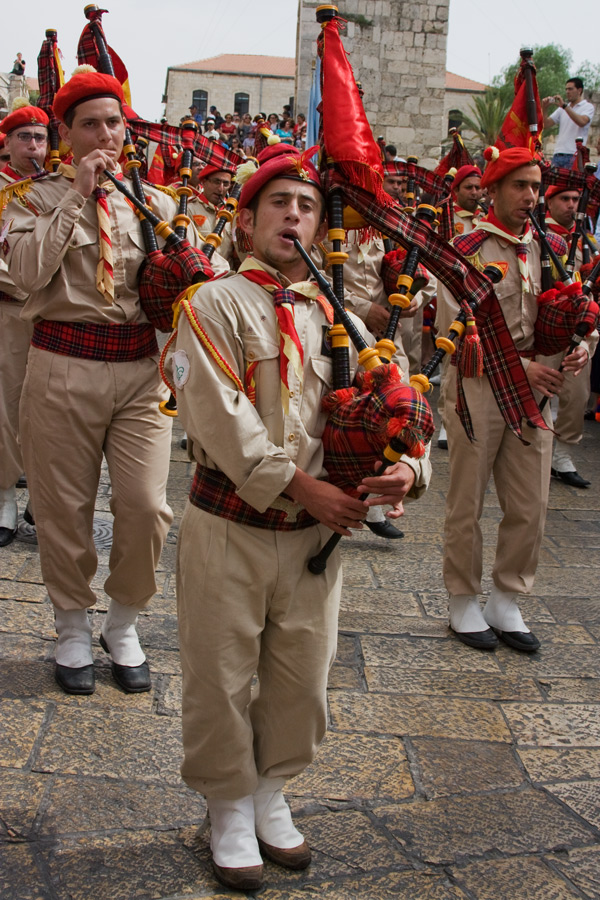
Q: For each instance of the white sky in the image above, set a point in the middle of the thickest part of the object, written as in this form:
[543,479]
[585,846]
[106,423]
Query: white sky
[483,36]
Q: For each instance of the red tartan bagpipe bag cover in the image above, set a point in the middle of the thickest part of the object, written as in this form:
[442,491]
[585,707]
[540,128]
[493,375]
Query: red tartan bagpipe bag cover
[363,418]
[164,275]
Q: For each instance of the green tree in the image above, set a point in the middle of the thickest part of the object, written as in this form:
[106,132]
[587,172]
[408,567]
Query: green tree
[553,64]
[489,112]
[590,75]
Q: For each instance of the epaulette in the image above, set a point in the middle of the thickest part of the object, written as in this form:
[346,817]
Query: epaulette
[166,190]
[469,245]
[15,190]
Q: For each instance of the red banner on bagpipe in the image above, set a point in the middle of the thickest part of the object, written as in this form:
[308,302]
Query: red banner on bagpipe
[524,122]
[87,52]
[457,156]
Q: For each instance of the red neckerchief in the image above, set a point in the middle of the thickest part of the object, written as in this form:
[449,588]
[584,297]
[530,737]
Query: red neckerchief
[14,175]
[493,219]
[557,228]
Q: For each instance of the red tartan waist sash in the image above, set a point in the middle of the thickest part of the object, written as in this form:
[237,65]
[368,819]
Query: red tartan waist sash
[6,298]
[213,492]
[91,340]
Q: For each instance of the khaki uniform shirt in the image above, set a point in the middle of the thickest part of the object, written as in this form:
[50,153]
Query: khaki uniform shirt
[204,216]
[257,447]
[53,252]
[7,285]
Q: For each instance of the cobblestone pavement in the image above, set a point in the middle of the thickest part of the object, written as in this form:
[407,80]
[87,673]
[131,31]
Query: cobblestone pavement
[446,774]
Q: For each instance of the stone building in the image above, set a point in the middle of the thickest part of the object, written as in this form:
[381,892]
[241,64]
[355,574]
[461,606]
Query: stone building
[458,98]
[232,82]
[397,49]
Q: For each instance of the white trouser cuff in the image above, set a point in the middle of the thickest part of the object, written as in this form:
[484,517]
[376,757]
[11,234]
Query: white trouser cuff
[502,612]
[8,508]
[465,614]
[120,635]
[273,816]
[74,645]
[442,434]
[561,458]
[232,837]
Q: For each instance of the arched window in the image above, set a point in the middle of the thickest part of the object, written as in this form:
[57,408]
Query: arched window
[455,118]
[241,103]
[200,99]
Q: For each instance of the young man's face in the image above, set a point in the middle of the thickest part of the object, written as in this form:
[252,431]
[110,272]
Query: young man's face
[562,207]
[516,195]
[573,93]
[287,209]
[97,125]
[468,193]
[216,187]
[395,186]
[24,144]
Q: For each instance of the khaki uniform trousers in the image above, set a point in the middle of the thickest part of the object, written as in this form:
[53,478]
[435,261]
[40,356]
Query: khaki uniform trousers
[572,400]
[15,337]
[72,411]
[247,604]
[522,478]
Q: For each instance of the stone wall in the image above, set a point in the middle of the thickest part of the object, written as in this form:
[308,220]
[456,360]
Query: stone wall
[267,93]
[397,49]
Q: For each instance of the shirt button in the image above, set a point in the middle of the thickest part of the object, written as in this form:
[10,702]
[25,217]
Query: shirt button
[291,437]
[291,393]
[251,354]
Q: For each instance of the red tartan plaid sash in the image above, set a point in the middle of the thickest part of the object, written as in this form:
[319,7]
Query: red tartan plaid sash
[6,298]
[88,340]
[215,493]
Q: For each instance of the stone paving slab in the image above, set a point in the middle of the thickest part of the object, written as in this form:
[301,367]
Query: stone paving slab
[446,774]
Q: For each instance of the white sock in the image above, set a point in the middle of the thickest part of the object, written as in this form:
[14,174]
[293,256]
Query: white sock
[502,611]
[119,633]
[232,837]
[274,823]
[465,613]
[375,513]
[561,457]
[442,434]
[8,508]
[74,645]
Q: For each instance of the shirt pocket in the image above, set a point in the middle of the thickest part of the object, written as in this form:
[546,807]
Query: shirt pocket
[134,254]
[317,383]
[260,365]
[81,258]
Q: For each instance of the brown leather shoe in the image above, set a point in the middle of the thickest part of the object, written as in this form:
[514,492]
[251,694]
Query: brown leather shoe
[246,878]
[294,858]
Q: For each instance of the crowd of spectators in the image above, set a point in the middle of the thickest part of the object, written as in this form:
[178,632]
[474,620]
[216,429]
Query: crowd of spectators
[236,132]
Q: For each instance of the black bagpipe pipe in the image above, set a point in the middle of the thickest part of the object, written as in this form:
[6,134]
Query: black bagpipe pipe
[368,358]
[225,216]
[579,230]
[410,193]
[540,223]
[189,129]
[406,284]
[582,328]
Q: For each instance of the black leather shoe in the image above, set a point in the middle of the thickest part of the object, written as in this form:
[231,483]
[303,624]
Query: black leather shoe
[442,443]
[80,680]
[183,443]
[28,515]
[481,640]
[7,536]
[22,482]
[133,679]
[574,479]
[385,530]
[519,640]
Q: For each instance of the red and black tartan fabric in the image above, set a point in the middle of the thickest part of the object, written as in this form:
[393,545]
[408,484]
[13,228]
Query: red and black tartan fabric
[362,420]
[503,364]
[392,265]
[90,340]
[561,313]
[457,156]
[469,244]
[213,492]
[170,138]
[582,157]
[164,274]
[432,184]
[48,79]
